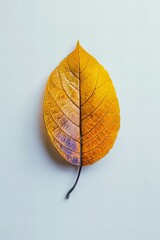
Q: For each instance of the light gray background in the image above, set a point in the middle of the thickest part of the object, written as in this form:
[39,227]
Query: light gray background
[117,198]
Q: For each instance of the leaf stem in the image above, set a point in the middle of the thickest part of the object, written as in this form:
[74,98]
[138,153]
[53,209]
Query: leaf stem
[69,192]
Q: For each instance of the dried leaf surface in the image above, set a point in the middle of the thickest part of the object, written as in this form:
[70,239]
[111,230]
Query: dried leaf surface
[81,109]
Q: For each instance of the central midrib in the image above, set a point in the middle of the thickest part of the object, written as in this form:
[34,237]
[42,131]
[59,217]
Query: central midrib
[80,112]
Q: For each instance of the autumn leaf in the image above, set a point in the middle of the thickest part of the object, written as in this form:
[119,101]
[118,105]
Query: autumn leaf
[81,109]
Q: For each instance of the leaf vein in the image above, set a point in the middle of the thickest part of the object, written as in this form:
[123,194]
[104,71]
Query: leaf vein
[94,87]
[61,128]
[101,141]
[66,92]
[98,104]
[100,119]
[61,109]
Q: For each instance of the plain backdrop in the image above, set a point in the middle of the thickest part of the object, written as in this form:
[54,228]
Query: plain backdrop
[118,197]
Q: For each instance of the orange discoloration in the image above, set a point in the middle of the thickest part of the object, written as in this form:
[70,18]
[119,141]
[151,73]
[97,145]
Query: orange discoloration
[81,85]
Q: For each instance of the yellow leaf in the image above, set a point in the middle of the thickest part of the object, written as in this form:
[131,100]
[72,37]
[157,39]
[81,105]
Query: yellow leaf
[81,109]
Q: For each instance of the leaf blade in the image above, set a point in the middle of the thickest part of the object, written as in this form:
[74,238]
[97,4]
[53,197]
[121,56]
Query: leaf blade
[81,100]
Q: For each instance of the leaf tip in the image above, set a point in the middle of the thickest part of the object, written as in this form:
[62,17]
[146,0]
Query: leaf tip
[78,43]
